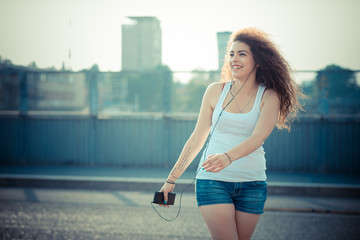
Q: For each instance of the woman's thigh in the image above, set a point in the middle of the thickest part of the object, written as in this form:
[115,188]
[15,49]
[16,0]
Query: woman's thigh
[220,220]
[246,224]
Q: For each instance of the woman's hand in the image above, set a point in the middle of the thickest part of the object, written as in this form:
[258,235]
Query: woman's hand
[166,188]
[216,162]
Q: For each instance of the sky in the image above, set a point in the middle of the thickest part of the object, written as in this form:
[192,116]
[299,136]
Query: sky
[311,34]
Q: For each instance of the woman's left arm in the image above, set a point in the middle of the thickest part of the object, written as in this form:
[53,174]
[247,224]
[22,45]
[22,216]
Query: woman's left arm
[269,113]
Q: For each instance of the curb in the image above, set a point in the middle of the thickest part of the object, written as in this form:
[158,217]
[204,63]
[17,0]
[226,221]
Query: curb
[312,210]
[314,189]
[154,184]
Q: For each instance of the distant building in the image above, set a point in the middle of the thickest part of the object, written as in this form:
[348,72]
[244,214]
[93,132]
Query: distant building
[222,38]
[141,44]
[45,90]
[57,91]
[10,75]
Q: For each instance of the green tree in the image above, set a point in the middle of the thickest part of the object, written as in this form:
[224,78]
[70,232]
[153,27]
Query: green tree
[177,99]
[151,90]
[195,90]
[339,83]
[94,68]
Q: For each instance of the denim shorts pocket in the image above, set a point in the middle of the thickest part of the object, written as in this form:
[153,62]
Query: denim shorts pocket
[208,187]
[259,184]
[212,192]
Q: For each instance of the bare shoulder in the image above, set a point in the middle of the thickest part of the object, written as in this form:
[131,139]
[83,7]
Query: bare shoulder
[215,86]
[270,94]
[270,97]
[213,93]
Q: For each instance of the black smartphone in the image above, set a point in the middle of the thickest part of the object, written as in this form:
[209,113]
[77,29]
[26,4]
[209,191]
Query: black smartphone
[159,198]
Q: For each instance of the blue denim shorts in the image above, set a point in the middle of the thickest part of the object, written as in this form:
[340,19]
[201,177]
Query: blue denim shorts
[247,197]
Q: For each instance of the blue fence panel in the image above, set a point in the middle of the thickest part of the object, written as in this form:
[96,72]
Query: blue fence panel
[130,141]
[12,139]
[179,131]
[56,140]
[315,145]
[150,140]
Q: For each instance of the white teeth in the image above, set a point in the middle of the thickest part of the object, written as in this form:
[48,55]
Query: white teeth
[235,67]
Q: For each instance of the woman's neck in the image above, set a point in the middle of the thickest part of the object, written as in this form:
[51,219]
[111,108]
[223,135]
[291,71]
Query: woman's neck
[247,87]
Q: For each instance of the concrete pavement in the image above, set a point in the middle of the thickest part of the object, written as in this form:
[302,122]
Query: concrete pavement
[67,202]
[43,213]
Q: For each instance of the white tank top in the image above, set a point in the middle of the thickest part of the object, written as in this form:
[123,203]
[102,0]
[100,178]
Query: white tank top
[231,130]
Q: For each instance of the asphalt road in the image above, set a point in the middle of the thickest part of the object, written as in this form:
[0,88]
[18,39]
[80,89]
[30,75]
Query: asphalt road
[27,213]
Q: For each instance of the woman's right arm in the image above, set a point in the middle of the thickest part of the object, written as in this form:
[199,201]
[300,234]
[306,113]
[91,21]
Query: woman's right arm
[197,139]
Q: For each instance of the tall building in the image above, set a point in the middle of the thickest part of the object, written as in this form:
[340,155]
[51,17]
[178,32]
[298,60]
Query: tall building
[141,44]
[222,38]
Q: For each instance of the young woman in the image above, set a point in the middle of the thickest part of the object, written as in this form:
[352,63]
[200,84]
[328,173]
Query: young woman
[256,93]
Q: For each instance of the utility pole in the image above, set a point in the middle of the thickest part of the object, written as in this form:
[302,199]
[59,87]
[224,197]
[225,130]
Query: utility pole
[323,88]
[69,53]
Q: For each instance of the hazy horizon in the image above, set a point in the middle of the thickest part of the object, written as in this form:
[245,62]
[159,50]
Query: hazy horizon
[310,34]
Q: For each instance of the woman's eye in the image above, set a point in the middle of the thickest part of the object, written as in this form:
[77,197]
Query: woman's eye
[231,54]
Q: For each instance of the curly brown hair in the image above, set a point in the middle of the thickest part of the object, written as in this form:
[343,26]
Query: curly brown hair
[273,72]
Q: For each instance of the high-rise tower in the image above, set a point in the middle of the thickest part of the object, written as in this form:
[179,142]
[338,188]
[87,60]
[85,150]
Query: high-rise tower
[141,44]
[222,38]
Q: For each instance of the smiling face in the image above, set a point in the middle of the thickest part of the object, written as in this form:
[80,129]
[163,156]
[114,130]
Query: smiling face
[241,60]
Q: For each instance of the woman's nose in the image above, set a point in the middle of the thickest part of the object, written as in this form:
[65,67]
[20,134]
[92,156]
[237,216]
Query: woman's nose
[234,59]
